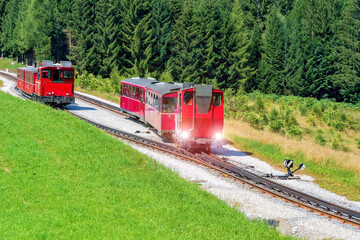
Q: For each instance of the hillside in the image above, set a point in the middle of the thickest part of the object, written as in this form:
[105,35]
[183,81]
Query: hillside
[61,178]
[325,135]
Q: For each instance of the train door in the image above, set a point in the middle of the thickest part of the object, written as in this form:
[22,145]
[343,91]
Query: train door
[178,114]
[57,76]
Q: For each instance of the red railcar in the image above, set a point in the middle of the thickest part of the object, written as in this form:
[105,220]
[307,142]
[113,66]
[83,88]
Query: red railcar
[190,114]
[50,83]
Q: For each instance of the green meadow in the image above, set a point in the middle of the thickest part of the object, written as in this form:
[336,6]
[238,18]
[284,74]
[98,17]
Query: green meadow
[61,178]
[5,63]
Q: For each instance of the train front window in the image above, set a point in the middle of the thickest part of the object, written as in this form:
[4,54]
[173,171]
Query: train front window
[188,98]
[169,104]
[46,74]
[68,74]
[217,97]
[56,76]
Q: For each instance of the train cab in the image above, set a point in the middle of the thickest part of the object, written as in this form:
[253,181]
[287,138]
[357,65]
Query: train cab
[55,83]
[200,117]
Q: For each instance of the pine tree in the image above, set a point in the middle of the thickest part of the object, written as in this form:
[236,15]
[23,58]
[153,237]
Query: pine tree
[162,25]
[272,64]
[240,71]
[347,53]
[83,22]
[138,37]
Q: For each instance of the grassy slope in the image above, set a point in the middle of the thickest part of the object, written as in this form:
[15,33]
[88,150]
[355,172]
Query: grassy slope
[113,97]
[1,83]
[334,170]
[61,178]
[5,63]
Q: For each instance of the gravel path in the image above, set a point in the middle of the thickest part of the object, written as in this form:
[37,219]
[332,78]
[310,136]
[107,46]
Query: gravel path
[284,216]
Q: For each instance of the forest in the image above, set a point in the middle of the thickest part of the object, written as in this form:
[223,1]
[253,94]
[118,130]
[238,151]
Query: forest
[307,48]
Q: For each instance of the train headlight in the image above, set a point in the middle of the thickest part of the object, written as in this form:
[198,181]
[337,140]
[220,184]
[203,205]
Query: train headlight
[218,136]
[185,135]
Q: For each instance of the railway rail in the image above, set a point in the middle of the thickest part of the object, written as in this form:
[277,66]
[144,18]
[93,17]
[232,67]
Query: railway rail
[214,162]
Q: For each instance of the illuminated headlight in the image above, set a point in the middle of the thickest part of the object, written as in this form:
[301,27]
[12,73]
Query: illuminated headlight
[218,136]
[184,135]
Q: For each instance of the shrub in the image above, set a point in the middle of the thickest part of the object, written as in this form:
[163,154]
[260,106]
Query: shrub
[276,126]
[259,103]
[254,120]
[303,109]
[274,114]
[338,125]
[320,137]
[311,120]
[289,117]
[295,132]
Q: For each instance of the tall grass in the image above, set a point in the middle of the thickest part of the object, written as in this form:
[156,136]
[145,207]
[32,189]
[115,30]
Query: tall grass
[61,178]
[334,170]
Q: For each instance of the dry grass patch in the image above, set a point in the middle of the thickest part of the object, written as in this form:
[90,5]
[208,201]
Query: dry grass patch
[306,145]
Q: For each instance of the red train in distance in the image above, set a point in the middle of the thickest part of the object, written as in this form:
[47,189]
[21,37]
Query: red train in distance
[190,114]
[50,83]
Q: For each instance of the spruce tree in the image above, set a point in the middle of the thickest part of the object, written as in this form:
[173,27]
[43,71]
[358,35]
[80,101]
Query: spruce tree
[273,58]
[347,53]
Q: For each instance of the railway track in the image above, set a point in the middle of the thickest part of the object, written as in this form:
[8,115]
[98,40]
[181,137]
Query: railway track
[214,162]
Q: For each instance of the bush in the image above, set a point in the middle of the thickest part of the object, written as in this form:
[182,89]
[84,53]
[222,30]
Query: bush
[358,143]
[338,125]
[311,120]
[320,137]
[295,132]
[254,120]
[259,103]
[274,114]
[290,119]
[303,109]
[277,126]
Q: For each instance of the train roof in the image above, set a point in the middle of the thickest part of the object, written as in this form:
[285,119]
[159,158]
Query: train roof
[29,69]
[164,88]
[156,86]
[139,81]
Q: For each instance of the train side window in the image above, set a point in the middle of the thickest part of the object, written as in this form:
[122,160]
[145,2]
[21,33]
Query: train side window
[45,73]
[217,97]
[142,95]
[188,98]
[38,75]
[68,74]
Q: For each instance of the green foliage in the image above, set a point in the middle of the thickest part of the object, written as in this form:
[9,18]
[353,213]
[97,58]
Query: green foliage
[274,114]
[276,47]
[90,82]
[295,131]
[311,120]
[320,139]
[254,120]
[277,126]
[358,143]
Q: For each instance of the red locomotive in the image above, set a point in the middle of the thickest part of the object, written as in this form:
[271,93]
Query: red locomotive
[50,83]
[190,114]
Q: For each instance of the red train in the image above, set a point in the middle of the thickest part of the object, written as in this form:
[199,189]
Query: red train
[50,83]
[190,114]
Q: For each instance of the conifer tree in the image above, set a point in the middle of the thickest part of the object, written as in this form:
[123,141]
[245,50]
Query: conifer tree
[347,53]
[240,71]
[138,36]
[272,64]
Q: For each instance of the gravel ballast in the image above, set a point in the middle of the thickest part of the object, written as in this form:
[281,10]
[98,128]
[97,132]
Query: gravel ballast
[286,217]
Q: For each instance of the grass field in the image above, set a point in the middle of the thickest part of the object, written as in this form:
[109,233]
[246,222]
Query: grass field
[1,83]
[336,171]
[61,178]
[5,63]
